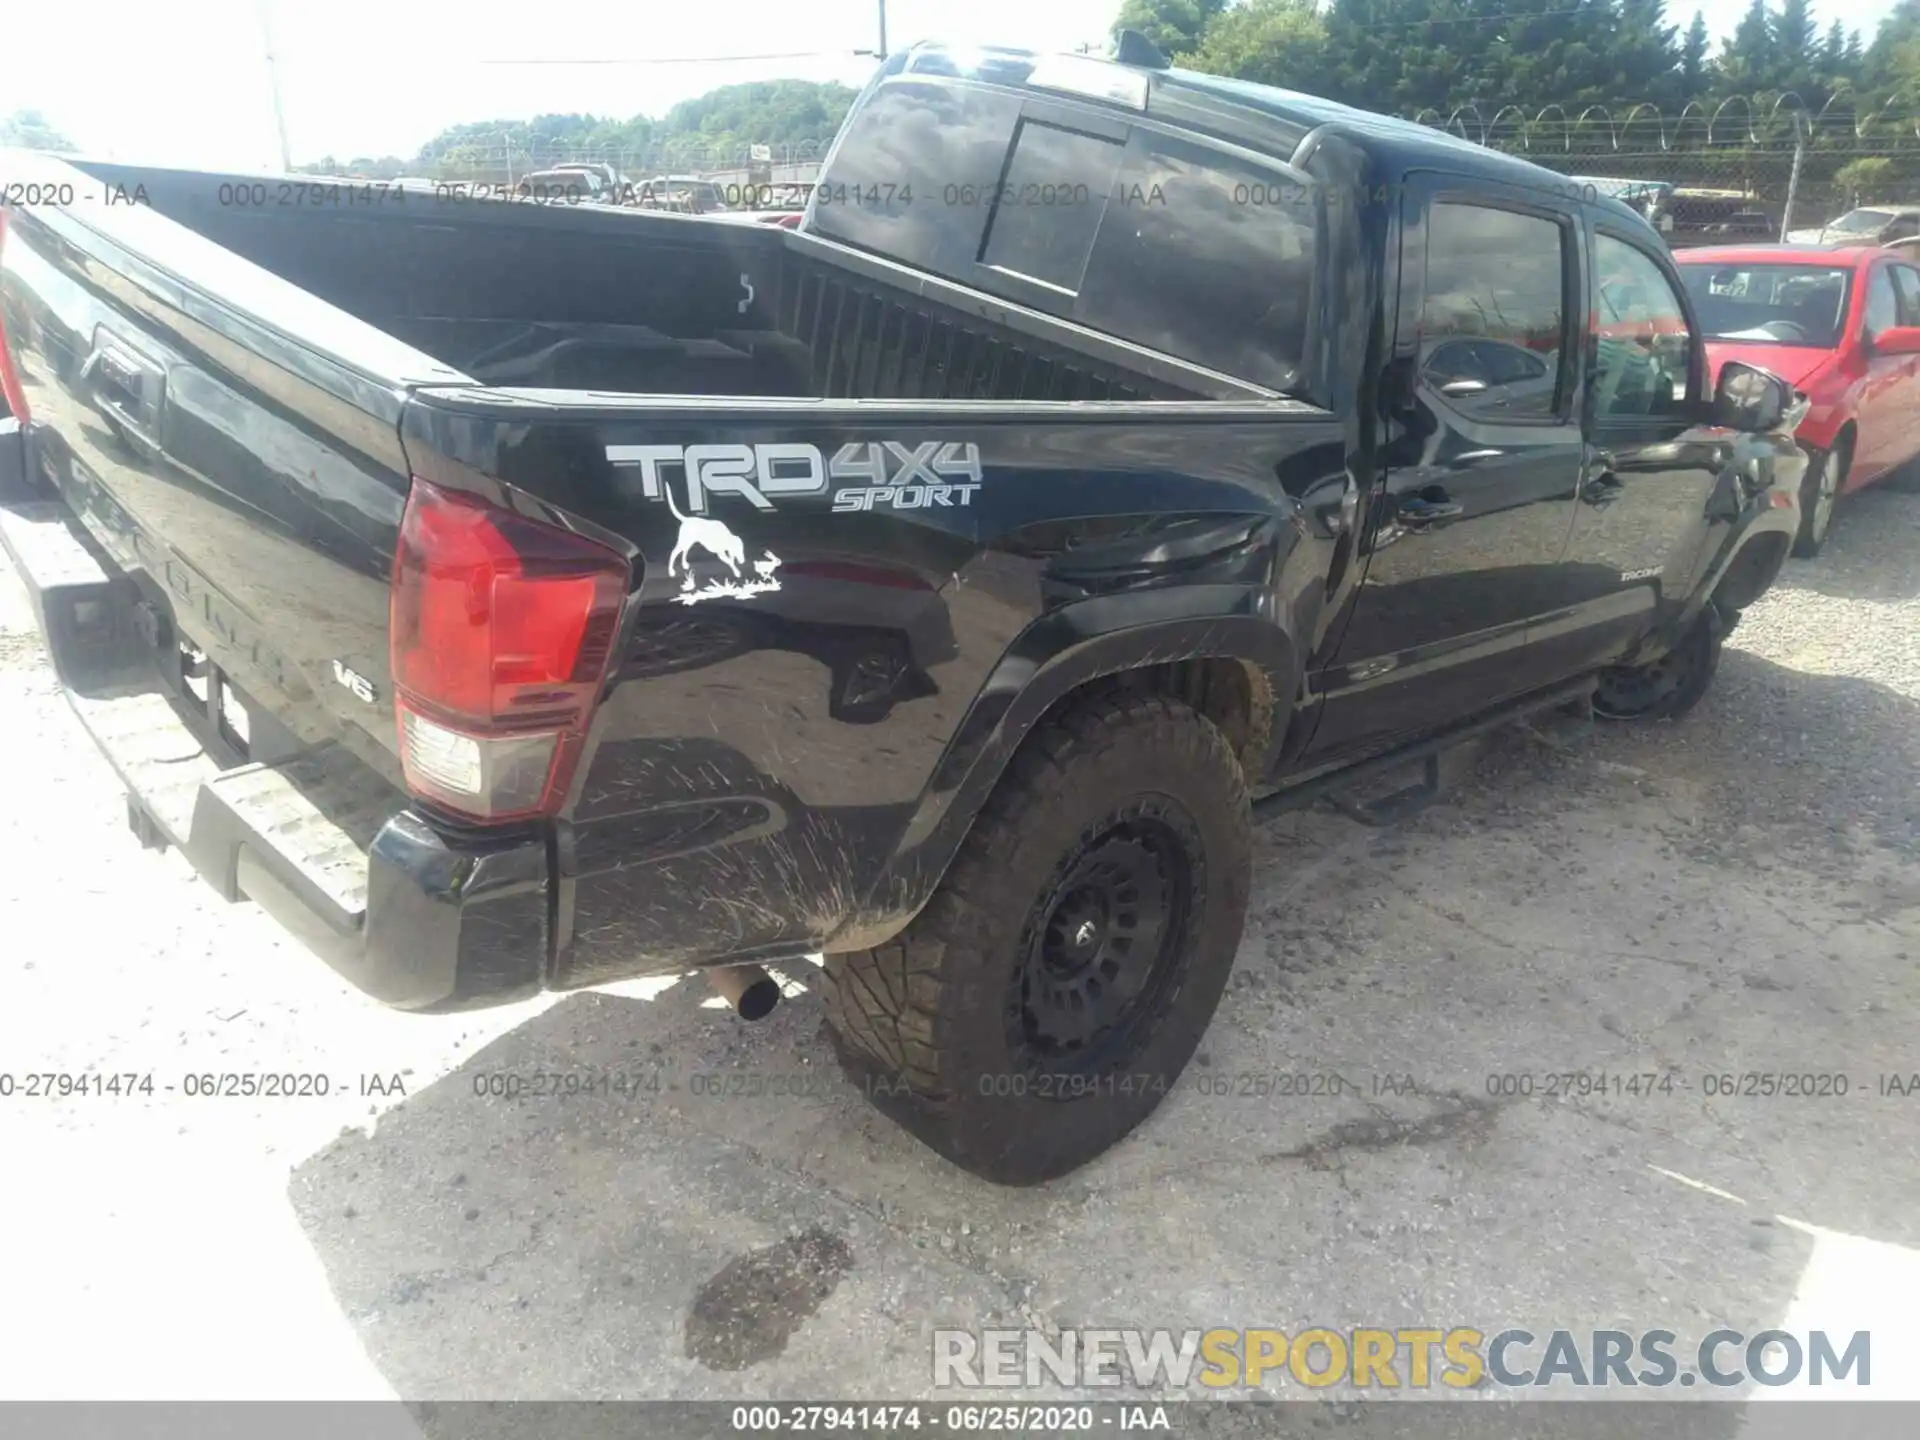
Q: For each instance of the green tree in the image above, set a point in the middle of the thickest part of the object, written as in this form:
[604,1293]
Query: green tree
[722,123]
[710,131]
[1694,77]
[29,130]
[1833,49]
[1862,178]
[1272,42]
[1750,61]
[1645,58]
[1176,26]
[1797,52]
[1893,60]
[1410,55]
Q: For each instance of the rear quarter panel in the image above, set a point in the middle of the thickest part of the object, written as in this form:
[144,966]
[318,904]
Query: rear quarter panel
[788,758]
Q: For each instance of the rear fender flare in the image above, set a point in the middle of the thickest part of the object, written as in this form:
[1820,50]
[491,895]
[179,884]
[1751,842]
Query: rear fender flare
[1059,653]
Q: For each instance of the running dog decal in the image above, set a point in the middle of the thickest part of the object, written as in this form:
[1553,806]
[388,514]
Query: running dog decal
[698,532]
[708,535]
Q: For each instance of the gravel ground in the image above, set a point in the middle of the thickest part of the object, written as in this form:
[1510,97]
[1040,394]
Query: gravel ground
[1737,892]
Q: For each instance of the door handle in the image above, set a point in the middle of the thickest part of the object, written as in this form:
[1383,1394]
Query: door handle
[1428,510]
[126,386]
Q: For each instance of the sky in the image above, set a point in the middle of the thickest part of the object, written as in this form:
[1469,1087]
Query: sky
[186,83]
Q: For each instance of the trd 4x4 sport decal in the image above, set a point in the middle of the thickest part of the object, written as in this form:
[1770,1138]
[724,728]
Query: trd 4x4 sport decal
[863,474]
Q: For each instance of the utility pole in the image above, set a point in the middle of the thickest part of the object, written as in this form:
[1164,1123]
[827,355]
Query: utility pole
[1793,179]
[273,84]
[883,29]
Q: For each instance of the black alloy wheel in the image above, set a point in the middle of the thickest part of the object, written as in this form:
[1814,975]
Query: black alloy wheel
[1103,947]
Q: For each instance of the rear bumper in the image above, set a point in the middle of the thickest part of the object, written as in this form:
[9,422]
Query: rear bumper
[417,917]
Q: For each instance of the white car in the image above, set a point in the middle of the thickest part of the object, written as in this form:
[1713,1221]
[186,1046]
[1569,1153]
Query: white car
[1867,225]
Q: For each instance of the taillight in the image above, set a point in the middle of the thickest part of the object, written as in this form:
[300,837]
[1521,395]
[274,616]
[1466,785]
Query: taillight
[10,386]
[501,632]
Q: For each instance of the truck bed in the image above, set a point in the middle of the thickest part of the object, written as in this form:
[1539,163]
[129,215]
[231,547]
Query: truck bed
[628,301]
[845,492]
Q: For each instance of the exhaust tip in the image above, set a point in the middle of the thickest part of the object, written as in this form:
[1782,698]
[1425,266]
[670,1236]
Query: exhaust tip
[750,990]
[756,1002]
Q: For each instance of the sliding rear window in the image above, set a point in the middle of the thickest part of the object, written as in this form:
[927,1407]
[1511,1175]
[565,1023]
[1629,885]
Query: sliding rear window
[1047,211]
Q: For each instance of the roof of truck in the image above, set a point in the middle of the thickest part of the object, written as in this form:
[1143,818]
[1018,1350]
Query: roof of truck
[1259,116]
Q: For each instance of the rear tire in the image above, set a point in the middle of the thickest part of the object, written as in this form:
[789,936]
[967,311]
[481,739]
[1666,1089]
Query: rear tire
[1667,688]
[1819,492]
[1049,995]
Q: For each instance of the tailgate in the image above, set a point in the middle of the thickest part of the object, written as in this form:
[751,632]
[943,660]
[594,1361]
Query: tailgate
[321,839]
[247,484]
[203,510]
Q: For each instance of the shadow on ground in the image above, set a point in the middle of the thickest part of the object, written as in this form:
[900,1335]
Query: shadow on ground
[1371,1135]
[1873,550]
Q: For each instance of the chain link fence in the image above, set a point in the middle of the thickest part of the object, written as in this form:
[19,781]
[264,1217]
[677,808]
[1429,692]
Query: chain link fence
[1738,169]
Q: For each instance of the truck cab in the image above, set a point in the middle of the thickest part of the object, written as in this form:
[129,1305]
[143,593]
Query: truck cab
[1511,354]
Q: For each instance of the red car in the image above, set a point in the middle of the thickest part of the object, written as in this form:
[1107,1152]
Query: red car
[1841,325]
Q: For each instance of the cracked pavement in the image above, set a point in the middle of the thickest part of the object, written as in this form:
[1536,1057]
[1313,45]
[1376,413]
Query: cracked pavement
[1371,1135]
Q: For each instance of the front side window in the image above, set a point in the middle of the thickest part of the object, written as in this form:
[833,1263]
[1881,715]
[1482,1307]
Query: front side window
[1643,350]
[1907,281]
[1492,320]
[1883,305]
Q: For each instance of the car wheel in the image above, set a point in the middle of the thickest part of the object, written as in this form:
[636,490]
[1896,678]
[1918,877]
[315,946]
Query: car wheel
[1667,688]
[1049,995]
[1818,493]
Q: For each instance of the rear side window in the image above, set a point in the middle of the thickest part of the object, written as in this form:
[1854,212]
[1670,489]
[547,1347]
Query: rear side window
[1207,257]
[1493,320]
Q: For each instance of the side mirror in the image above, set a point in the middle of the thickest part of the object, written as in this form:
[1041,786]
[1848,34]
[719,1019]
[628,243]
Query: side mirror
[1896,340]
[1749,399]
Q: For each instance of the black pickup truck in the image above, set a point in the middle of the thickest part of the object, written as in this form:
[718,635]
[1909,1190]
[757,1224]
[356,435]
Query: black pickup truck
[518,597]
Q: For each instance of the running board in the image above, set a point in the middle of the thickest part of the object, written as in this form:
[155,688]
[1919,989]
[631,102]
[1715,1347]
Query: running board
[1338,786]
